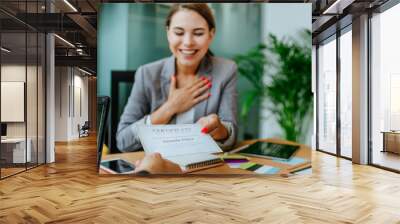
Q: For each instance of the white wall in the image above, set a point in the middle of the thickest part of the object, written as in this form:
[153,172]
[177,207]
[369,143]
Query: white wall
[80,96]
[61,103]
[282,19]
[33,126]
[71,87]
[15,72]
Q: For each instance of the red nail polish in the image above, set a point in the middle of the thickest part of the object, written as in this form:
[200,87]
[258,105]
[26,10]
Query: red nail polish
[203,78]
[209,85]
[204,130]
[209,94]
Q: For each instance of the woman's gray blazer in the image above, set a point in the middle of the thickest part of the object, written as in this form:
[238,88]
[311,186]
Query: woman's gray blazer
[151,88]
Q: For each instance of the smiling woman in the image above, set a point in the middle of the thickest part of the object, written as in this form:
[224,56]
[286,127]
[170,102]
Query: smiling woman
[191,86]
[190,32]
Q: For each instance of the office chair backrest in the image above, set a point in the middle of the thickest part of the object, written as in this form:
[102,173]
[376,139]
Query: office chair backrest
[86,125]
[121,86]
[103,107]
[3,129]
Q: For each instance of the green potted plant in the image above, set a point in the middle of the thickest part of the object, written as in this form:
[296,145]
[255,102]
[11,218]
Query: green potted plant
[288,85]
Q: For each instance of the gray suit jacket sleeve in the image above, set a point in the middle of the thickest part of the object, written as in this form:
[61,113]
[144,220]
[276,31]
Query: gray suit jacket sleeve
[135,113]
[228,109]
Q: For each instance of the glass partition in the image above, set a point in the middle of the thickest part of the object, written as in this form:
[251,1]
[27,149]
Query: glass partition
[346,93]
[22,90]
[385,89]
[14,153]
[31,97]
[41,96]
[327,96]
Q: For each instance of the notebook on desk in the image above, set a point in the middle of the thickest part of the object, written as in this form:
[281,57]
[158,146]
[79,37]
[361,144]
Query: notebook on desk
[190,163]
[182,144]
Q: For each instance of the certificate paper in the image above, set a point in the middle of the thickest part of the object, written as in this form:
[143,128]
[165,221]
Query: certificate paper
[176,140]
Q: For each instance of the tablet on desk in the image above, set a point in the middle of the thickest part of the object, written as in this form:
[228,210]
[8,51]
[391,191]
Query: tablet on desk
[270,150]
[117,166]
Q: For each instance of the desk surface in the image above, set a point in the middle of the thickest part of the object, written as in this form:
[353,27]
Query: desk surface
[303,152]
[391,132]
[13,140]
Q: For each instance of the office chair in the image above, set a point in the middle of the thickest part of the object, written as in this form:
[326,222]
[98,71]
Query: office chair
[103,108]
[84,129]
[121,86]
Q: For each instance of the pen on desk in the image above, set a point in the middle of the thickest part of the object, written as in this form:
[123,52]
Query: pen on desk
[239,149]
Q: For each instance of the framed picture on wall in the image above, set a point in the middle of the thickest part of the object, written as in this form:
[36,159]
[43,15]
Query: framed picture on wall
[12,101]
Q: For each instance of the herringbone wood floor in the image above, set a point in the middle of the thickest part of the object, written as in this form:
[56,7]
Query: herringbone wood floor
[70,191]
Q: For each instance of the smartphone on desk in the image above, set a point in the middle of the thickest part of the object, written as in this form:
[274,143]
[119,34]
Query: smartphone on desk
[117,166]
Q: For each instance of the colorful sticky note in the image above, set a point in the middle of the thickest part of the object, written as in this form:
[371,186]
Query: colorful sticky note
[267,170]
[245,166]
[292,161]
[233,156]
[234,165]
[250,166]
[257,168]
[236,160]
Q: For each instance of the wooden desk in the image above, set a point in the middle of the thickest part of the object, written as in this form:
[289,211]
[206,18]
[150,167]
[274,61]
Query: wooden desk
[303,152]
[14,152]
[391,141]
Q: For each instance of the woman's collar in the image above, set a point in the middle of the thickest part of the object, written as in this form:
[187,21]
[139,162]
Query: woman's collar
[169,67]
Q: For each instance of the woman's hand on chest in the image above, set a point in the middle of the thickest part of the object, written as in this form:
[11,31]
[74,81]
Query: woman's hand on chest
[188,94]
